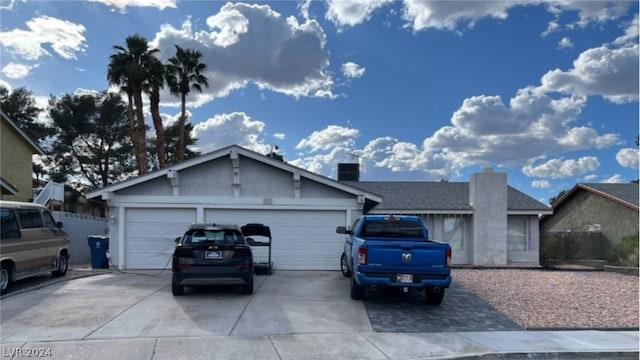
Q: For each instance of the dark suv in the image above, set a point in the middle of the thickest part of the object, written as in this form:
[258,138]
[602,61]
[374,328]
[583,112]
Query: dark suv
[210,254]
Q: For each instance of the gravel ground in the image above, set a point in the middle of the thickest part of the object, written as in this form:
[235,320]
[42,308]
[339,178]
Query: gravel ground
[537,299]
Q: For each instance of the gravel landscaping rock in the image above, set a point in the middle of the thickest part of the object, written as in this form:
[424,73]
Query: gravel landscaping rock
[541,299]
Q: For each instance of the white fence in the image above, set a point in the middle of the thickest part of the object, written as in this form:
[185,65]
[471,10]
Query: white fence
[79,227]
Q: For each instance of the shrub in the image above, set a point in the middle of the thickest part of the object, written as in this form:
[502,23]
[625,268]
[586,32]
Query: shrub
[625,253]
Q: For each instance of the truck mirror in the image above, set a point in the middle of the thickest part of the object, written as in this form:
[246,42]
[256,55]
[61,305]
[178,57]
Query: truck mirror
[177,240]
[343,230]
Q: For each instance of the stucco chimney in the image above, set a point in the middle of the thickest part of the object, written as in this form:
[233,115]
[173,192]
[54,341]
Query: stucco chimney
[488,198]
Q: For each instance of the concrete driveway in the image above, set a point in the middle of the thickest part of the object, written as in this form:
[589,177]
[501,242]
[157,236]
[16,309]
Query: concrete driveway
[126,305]
[292,315]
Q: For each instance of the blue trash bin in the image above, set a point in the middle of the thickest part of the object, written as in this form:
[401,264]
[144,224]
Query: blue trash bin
[99,246]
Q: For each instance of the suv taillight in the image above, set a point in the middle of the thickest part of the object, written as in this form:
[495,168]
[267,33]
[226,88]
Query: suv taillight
[448,257]
[362,256]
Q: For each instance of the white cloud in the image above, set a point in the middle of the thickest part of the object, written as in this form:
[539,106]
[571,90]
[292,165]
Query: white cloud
[280,136]
[448,15]
[631,33]
[610,73]
[615,179]
[123,4]
[564,43]
[254,44]
[333,136]
[590,11]
[228,129]
[352,70]
[628,158]
[352,12]
[590,177]
[540,184]
[451,15]
[65,38]
[16,71]
[6,85]
[561,169]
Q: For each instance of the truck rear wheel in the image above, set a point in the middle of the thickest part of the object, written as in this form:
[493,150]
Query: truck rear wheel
[357,291]
[344,265]
[434,295]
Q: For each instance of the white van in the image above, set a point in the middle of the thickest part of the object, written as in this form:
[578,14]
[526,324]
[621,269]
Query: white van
[31,243]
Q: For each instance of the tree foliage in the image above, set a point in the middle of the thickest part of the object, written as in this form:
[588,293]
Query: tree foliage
[130,68]
[185,73]
[553,199]
[91,146]
[171,139]
[20,106]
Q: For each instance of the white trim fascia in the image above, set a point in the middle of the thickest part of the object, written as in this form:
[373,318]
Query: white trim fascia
[242,151]
[132,200]
[529,212]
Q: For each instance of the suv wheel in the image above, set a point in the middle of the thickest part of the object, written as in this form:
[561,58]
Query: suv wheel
[62,264]
[5,278]
[247,288]
[176,289]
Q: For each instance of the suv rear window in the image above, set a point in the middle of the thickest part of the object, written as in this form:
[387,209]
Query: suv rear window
[214,237]
[8,225]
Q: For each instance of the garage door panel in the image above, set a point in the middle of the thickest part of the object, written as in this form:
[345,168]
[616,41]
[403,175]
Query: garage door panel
[150,235]
[302,240]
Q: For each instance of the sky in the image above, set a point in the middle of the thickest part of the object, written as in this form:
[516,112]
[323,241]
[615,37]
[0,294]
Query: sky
[545,91]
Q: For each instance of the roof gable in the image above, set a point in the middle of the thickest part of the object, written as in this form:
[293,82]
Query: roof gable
[36,148]
[624,194]
[233,150]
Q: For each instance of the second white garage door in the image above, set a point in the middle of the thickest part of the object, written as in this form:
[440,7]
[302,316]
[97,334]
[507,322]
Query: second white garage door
[302,240]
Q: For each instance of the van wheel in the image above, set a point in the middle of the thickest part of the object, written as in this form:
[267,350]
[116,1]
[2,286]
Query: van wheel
[344,265]
[62,264]
[5,278]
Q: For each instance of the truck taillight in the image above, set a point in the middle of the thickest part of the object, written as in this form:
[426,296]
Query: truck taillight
[448,257]
[362,256]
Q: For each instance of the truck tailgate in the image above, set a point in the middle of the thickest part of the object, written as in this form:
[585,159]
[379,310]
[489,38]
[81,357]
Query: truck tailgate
[417,257]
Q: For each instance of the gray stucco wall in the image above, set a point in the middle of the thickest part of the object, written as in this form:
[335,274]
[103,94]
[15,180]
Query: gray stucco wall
[585,208]
[79,227]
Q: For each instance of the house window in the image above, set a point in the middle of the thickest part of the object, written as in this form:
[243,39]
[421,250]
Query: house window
[517,233]
[453,231]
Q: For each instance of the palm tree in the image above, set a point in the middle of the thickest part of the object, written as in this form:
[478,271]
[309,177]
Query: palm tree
[155,83]
[184,73]
[129,68]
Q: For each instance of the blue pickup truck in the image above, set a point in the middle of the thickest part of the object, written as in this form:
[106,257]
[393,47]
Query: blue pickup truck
[394,251]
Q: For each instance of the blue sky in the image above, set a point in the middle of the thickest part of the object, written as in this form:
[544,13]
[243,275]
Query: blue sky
[413,90]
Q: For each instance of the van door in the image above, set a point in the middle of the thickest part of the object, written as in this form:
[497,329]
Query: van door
[34,241]
[58,238]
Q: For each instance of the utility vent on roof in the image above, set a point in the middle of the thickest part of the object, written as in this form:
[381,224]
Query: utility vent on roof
[349,172]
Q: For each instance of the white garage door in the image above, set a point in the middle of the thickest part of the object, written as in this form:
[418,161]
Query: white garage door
[302,240]
[150,235]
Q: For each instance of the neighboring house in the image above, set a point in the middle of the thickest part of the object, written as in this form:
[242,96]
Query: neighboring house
[16,166]
[236,185]
[608,209]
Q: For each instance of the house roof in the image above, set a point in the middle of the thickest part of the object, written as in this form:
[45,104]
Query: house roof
[8,188]
[439,197]
[36,148]
[226,151]
[624,194]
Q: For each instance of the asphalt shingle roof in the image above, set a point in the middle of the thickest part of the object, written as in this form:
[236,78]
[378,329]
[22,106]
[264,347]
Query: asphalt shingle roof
[425,195]
[628,193]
